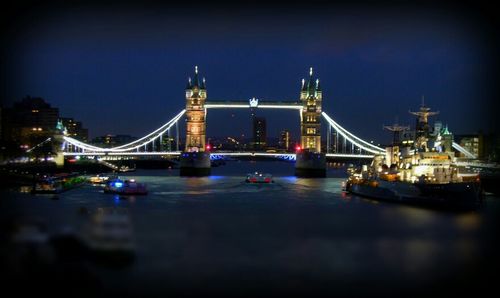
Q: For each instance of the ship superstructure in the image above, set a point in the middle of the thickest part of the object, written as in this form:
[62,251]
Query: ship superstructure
[419,169]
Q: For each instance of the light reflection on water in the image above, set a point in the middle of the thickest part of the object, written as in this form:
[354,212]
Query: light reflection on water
[218,228]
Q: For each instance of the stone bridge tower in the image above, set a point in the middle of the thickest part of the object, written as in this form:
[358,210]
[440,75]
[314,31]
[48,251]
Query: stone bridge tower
[196,95]
[310,124]
[195,161]
[310,161]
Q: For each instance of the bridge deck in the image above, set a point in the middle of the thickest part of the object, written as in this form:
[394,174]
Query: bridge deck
[214,104]
[159,153]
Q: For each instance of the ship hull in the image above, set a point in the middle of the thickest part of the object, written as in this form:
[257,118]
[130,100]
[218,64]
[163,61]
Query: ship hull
[466,195]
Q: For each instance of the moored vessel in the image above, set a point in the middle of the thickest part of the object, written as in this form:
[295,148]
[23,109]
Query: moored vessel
[421,171]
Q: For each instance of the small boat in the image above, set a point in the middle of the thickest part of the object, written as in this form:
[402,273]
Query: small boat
[125,187]
[48,186]
[258,177]
[57,183]
[101,179]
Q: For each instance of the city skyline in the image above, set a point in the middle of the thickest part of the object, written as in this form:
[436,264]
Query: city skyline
[124,71]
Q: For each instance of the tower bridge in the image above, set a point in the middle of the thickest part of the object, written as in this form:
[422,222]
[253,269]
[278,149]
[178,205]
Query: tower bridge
[194,158]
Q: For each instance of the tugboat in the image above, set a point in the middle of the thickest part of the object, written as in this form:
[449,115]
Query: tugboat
[125,187]
[410,172]
[258,177]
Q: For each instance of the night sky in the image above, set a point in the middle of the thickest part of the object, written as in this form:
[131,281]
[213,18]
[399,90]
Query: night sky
[122,69]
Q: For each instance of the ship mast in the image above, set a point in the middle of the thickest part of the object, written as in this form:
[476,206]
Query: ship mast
[424,113]
[422,128]
[396,129]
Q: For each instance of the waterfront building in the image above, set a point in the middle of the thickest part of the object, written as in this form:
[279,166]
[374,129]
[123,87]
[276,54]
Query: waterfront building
[75,129]
[474,143]
[29,121]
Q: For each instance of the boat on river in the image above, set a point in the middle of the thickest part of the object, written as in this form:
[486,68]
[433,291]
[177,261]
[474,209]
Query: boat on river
[125,187]
[258,177]
[101,179]
[441,188]
[57,183]
[413,172]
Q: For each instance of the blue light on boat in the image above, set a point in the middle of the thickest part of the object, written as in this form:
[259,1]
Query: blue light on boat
[118,184]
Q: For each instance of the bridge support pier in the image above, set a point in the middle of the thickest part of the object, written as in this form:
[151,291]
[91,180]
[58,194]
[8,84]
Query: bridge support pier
[310,164]
[195,164]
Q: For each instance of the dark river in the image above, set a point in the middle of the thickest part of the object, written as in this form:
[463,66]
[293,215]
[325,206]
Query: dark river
[218,236]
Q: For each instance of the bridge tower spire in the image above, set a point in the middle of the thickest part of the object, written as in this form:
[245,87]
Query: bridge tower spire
[196,95]
[310,126]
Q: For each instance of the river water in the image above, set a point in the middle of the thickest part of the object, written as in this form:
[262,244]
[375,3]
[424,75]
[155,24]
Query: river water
[219,236]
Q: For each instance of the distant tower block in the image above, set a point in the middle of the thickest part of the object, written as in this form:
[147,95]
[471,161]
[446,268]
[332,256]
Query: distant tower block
[196,95]
[310,125]
[194,160]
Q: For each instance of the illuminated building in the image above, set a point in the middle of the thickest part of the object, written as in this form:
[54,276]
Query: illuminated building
[112,140]
[196,95]
[259,133]
[284,141]
[310,125]
[75,129]
[474,143]
[29,121]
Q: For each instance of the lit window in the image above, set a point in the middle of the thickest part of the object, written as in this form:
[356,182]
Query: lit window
[311,130]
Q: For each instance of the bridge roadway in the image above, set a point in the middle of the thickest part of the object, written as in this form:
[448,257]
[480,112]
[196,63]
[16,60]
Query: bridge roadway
[289,156]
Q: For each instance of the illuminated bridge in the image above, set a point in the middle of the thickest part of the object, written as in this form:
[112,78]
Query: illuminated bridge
[150,144]
[345,144]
